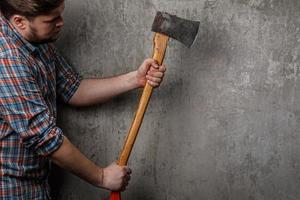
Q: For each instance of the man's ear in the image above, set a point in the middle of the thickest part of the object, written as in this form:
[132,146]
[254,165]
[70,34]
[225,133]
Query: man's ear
[19,21]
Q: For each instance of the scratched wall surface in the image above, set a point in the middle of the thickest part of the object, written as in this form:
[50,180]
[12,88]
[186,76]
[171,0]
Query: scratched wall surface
[224,125]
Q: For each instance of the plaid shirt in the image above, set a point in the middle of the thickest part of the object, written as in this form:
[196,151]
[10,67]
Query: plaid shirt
[30,78]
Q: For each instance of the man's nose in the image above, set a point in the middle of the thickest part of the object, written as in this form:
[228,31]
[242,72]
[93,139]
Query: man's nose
[60,23]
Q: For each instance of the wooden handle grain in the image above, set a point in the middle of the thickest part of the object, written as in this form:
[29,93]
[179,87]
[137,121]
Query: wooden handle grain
[160,43]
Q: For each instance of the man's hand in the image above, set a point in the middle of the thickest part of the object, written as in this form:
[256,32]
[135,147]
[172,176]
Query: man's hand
[115,177]
[150,71]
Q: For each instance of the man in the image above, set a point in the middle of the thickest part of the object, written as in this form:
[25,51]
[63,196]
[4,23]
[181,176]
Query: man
[32,75]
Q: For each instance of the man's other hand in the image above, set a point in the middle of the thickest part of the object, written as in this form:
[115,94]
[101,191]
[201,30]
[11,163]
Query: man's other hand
[115,177]
[150,72]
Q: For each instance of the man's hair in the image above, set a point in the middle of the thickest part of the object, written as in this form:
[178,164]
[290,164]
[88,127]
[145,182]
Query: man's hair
[28,8]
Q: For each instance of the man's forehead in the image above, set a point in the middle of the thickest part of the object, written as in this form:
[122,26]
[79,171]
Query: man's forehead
[57,11]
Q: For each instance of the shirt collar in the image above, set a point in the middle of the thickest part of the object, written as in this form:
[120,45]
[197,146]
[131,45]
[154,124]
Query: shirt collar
[8,29]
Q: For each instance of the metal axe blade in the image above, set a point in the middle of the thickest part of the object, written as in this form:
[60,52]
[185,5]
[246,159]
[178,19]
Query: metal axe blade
[183,30]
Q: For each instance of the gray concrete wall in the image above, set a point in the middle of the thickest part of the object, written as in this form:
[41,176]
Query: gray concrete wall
[224,125]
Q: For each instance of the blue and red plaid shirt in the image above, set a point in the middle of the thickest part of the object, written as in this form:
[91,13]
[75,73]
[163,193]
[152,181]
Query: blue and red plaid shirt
[30,79]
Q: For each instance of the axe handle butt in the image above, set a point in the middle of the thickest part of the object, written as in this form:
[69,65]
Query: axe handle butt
[160,43]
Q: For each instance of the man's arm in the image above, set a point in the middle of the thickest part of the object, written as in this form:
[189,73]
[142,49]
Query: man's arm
[113,177]
[94,91]
[24,109]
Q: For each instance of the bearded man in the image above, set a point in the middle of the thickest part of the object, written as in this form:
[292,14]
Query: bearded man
[32,76]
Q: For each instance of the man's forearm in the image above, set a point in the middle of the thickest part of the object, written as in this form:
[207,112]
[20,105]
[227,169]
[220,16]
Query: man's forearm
[94,91]
[71,159]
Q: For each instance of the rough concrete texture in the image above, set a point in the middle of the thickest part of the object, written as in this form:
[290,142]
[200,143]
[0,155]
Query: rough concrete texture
[224,125]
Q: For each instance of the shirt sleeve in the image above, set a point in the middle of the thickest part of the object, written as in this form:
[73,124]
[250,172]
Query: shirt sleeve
[67,80]
[23,107]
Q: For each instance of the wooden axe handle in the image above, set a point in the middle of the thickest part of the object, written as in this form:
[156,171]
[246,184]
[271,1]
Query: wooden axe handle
[160,43]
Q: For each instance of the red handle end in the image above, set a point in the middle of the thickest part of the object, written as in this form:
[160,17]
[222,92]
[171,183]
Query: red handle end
[115,196]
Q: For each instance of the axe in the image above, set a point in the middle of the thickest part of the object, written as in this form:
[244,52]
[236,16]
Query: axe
[164,27]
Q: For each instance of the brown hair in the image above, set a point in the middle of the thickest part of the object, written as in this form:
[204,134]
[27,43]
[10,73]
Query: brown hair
[28,8]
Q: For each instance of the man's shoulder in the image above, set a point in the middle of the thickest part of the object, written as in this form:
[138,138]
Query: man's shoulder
[8,49]
[10,55]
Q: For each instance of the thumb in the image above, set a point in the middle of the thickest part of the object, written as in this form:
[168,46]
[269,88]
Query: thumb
[150,62]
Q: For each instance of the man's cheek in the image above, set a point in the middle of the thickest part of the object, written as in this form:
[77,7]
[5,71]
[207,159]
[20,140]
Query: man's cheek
[50,32]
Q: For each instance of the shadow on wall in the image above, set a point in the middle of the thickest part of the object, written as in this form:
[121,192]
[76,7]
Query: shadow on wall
[203,55]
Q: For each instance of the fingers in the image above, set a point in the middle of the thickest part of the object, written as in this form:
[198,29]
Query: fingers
[153,65]
[157,67]
[126,177]
[151,72]
[155,75]
[127,170]
[115,177]
[153,81]
[162,68]
[150,61]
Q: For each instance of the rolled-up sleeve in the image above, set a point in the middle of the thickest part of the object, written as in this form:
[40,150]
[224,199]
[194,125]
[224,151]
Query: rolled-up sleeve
[67,80]
[23,107]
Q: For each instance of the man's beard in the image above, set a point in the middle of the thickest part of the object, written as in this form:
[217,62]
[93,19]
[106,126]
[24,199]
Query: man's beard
[34,37]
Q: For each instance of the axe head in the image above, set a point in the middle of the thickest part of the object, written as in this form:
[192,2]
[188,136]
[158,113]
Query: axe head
[185,31]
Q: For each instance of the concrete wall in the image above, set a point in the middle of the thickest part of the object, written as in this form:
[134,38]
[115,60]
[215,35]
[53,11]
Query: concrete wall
[224,125]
